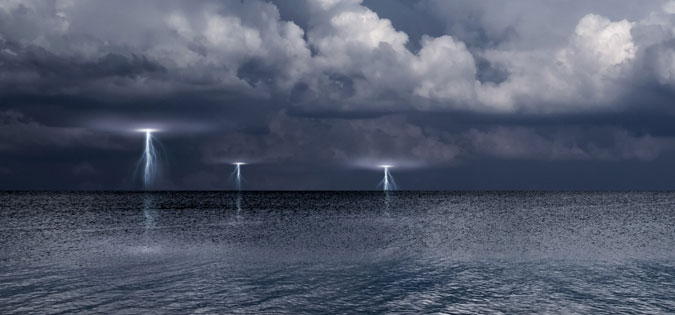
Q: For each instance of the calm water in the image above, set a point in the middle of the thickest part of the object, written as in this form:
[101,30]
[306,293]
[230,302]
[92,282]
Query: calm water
[337,253]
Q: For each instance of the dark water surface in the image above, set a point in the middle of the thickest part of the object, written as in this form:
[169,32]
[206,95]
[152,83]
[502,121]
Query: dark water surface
[295,253]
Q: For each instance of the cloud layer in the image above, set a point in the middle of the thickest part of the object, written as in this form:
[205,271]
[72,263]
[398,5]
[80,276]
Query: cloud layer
[343,82]
[347,57]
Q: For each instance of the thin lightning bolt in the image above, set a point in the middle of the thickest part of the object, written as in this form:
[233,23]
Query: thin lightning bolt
[237,174]
[150,158]
[387,182]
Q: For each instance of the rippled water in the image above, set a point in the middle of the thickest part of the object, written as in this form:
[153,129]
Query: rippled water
[295,253]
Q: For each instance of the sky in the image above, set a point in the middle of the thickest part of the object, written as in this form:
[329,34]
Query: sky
[314,95]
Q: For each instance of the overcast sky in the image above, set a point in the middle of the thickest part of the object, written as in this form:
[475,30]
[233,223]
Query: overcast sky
[475,94]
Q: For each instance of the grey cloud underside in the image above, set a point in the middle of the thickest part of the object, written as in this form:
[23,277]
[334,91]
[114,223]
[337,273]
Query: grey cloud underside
[337,82]
[394,138]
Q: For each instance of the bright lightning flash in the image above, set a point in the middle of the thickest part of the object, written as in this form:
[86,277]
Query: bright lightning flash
[387,182]
[149,156]
[237,173]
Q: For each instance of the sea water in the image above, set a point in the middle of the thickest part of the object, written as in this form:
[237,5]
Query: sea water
[337,252]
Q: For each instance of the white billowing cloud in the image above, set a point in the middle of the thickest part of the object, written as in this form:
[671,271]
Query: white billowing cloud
[599,54]
[669,7]
[664,66]
[591,70]
[352,41]
[359,58]
[363,28]
[202,45]
[586,72]
[601,42]
[445,70]
[225,39]
[229,34]
[656,34]
[347,58]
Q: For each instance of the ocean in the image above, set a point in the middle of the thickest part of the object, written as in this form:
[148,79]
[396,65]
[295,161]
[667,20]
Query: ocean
[337,252]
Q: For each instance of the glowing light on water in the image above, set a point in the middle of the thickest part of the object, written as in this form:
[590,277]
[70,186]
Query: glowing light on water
[148,245]
[388,182]
[149,158]
[148,212]
[237,203]
[237,174]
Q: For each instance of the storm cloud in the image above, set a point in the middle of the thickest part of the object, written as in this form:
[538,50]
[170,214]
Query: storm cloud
[316,87]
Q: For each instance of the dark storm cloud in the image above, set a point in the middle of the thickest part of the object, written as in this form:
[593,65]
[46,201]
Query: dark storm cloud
[394,138]
[19,132]
[315,84]
[50,66]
